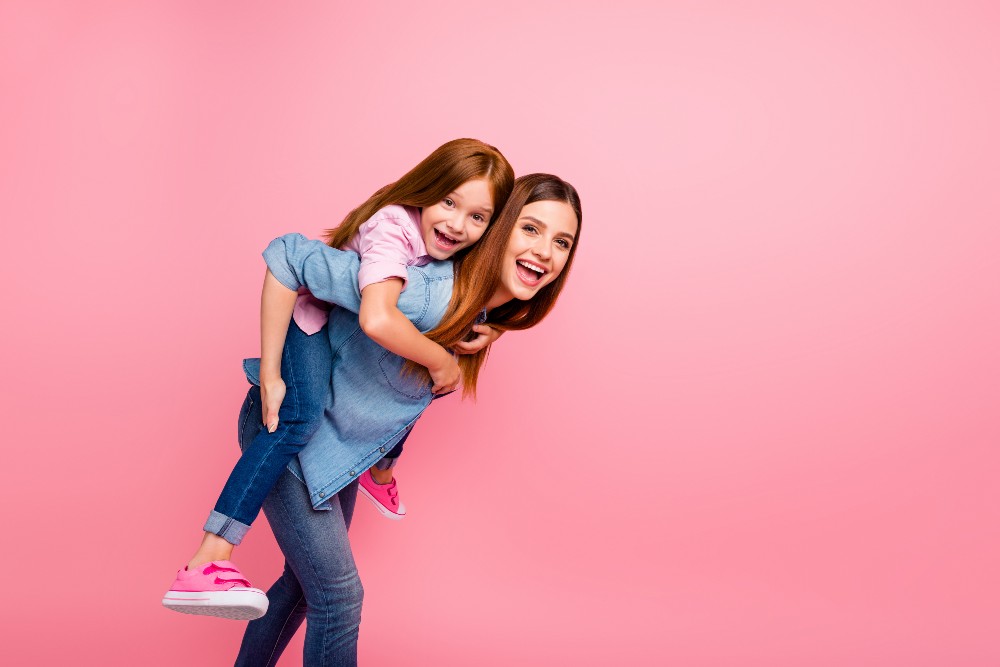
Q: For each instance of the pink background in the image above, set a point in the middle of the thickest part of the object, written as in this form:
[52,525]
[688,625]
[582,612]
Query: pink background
[761,428]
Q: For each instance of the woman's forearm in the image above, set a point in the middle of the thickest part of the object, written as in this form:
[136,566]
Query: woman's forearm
[276,305]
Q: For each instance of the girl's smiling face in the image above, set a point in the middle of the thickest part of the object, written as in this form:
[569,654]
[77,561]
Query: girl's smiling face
[458,220]
[537,250]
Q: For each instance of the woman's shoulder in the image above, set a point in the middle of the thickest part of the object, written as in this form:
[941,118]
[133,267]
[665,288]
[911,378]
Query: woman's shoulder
[436,271]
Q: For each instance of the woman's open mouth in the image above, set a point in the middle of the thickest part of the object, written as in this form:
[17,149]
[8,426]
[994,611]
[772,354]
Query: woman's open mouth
[444,242]
[530,273]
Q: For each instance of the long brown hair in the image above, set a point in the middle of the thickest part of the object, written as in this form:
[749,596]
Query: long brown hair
[477,276]
[436,176]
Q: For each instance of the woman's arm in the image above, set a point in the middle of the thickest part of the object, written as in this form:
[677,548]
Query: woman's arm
[384,323]
[485,336]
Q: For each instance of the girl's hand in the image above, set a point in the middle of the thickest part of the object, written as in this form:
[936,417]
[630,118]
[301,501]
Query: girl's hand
[445,377]
[272,393]
[487,336]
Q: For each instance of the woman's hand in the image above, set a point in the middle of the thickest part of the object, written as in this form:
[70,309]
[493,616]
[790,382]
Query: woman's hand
[487,336]
[272,393]
[446,376]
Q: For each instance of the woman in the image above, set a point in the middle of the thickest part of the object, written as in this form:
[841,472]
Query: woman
[516,272]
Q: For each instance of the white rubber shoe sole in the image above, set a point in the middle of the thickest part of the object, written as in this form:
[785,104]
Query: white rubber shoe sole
[238,603]
[381,508]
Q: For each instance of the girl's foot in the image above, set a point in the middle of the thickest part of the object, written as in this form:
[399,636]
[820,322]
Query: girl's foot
[385,497]
[215,589]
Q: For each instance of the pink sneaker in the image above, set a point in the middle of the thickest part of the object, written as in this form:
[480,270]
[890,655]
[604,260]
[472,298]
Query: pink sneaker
[216,589]
[384,496]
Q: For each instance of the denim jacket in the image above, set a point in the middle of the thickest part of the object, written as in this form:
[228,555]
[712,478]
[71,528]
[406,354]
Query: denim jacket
[370,405]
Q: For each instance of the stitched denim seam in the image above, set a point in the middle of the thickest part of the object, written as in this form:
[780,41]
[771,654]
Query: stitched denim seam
[243,426]
[310,562]
[360,463]
[392,386]
[277,637]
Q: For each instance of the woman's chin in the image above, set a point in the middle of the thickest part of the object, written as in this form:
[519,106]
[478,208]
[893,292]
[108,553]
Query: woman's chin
[522,292]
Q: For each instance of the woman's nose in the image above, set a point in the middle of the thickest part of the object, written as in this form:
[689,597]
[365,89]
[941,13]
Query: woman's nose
[541,249]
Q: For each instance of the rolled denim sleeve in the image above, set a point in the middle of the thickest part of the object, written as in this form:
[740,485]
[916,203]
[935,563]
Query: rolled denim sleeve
[332,275]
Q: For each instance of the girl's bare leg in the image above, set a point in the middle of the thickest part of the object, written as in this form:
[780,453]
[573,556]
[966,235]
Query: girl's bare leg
[212,548]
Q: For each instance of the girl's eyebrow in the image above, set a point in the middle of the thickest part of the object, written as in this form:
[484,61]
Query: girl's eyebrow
[455,195]
[542,224]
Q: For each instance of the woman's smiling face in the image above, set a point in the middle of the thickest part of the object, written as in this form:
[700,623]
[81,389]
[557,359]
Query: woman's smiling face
[537,250]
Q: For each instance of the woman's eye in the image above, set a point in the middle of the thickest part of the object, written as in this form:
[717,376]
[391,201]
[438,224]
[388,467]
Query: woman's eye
[563,243]
[531,229]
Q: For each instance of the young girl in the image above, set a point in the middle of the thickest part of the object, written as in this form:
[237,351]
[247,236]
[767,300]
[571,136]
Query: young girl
[439,208]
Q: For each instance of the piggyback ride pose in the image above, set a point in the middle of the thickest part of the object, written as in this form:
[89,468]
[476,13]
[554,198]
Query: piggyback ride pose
[516,272]
[433,212]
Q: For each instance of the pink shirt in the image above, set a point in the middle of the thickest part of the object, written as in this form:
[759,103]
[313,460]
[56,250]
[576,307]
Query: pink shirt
[388,242]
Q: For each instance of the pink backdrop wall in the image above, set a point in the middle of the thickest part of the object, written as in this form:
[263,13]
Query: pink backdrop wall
[761,428]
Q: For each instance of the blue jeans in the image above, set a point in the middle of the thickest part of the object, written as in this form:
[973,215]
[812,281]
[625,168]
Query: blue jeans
[320,583]
[305,368]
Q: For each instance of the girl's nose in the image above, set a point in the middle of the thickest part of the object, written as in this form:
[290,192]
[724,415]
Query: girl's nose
[456,223]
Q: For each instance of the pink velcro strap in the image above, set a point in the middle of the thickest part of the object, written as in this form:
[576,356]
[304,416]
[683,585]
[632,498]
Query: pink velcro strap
[227,573]
[235,579]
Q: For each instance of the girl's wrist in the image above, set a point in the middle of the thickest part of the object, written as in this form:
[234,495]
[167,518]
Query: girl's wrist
[443,358]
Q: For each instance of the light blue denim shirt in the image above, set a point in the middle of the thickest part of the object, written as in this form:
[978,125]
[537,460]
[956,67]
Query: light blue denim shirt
[370,405]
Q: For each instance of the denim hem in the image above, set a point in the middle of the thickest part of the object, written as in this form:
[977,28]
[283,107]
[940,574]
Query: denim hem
[227,528]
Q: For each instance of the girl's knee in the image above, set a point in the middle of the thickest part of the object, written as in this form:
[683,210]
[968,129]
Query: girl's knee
[298,425]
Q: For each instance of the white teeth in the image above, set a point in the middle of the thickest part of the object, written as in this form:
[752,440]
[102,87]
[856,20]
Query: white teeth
[532,267]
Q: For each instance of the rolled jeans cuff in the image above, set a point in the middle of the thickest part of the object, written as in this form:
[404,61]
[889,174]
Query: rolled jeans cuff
[227,528]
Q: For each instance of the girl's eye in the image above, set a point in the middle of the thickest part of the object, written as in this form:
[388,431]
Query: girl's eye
[448,202]
[478,218]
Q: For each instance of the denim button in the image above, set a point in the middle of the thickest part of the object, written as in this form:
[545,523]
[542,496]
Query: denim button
[381,449]
[322,495]
[351,473]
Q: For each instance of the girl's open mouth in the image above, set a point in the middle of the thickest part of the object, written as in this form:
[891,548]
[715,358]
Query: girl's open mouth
[444,241]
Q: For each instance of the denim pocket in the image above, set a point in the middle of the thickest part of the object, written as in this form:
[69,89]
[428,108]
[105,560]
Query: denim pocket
[411,385]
